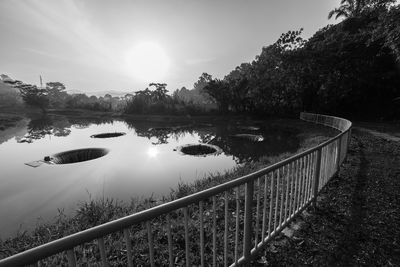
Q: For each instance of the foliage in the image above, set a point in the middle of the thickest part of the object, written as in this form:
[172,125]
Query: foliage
[220,93]
[9,95]
[196,100]
[388,30]
[34,96]
[263,86]
[353,8]
[56,93]
[347,69]
[106,103]
[157,101]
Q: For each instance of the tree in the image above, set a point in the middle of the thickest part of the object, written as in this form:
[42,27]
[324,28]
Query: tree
[160,93]
[353,8]
[348,8]
[56,93]
[388,30]
[203,80]
[220,92]
[34,96]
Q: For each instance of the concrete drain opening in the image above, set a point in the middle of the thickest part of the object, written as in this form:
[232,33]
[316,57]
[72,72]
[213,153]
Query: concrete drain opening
[77,155]
[107,135]
[250,137]
[199,149]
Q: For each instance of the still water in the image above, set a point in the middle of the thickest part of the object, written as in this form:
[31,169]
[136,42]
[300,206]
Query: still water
[140,163]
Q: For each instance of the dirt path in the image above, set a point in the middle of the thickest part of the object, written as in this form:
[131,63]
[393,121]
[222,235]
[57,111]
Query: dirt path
[385,136]
[357,221]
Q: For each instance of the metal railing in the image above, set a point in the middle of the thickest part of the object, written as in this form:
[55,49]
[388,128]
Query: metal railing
[224,225]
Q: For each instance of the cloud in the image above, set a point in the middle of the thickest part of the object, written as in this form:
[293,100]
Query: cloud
[66,24]
[46,54]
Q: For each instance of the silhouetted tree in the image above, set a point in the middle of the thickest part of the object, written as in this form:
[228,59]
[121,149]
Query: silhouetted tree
[220,92]
[353,8]
[56,93]
[34,96]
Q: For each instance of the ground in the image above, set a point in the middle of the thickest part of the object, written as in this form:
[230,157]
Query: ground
[356,221]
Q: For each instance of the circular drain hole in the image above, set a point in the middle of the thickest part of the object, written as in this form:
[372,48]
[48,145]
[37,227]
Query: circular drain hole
[250,137]
[107,135]
[75,156]
[199,149]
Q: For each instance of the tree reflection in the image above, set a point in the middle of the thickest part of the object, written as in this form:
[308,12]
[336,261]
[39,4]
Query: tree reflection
[159,130]
[276,138]
[82,123]
[38,128]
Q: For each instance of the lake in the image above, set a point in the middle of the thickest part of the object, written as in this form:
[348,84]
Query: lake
[142,162]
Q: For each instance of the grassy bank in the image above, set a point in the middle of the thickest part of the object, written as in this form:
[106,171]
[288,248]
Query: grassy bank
[357,215]
[98,211]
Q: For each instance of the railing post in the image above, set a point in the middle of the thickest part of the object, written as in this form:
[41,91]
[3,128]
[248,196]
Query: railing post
[339,148]
[316,176]
[248,214]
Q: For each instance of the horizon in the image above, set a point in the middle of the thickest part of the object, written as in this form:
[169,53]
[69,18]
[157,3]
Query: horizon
[96,46]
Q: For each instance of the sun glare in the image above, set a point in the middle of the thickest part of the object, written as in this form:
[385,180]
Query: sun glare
[152,152]
[147,62]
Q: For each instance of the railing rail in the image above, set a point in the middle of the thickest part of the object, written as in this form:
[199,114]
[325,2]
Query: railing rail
[271,198]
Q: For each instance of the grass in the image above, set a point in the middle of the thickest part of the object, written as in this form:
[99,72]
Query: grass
[357,215]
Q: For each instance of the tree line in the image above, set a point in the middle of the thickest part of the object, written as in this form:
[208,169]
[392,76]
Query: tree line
[351,69]
[152,100]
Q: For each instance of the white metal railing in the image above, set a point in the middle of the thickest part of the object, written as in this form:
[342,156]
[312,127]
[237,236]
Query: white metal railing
[224,225]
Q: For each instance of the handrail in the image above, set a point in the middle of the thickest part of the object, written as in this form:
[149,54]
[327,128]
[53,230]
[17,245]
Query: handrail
[294,181]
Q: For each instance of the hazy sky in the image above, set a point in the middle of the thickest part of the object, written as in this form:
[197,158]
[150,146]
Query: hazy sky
[103,45]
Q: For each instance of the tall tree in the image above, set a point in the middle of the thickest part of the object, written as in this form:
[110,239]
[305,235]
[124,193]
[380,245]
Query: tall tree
[348,8]
[34,96]
[354,8]
[203,80]
[219,90]
[56,93]
[160,93]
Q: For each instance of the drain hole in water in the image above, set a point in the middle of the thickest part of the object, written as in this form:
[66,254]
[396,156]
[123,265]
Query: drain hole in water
[107,135]
[199,149]
[250,137]
[78,155]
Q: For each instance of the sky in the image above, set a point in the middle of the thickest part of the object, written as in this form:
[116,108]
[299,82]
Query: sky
[123,45]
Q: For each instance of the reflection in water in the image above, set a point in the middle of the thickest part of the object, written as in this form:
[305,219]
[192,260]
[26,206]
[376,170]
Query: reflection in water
[153,151]
[275,140]
[243,142]
[50,125]
[40,127]
[160,131]
[140,163]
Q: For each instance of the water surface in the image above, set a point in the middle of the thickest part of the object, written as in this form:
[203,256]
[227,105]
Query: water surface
[140,163]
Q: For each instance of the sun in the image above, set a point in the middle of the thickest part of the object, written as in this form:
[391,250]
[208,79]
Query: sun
[152,152]
[147,62]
